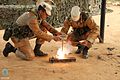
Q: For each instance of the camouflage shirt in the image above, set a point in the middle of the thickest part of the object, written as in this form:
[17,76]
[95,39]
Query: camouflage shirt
[29,24]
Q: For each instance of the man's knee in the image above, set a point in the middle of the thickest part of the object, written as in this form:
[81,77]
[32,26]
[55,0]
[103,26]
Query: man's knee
[30,58]
[24,50]
[23,56]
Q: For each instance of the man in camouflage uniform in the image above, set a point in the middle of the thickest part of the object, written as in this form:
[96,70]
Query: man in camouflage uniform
[85,30]
[30,25]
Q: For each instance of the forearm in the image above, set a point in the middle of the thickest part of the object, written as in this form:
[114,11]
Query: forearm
[38,32]
[65,27]
[49,27]
[94,30]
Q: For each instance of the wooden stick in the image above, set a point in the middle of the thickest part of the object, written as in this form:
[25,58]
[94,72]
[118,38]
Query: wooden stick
[62,45]
[68,59]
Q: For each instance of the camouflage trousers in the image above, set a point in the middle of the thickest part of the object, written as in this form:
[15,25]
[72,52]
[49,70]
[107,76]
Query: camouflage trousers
[24,49]
[22,32]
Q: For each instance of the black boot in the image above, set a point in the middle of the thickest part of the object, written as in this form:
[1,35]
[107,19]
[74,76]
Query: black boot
[38,52]
[80,48]
[8,48]
[85,52]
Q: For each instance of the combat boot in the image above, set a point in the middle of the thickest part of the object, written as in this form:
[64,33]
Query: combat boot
[80,48]
[8,48]
[85,52]
[38,52]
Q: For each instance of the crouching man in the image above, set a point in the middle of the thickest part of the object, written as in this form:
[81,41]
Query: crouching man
[31,24]
[84,33]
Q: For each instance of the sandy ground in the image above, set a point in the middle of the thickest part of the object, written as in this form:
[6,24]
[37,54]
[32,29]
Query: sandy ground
[103,63]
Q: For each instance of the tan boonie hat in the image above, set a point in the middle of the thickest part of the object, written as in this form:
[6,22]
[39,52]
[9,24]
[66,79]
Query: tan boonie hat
[46,6]
[75,13]
[51,2]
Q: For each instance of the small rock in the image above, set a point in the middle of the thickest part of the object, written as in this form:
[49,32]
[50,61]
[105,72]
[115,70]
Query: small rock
[115,72]
[51,50]
[111,64]
[110,49]
[95,48]
[109,54]
[108,25]
[102,57]
[60,78]
[53,71]
[118,55]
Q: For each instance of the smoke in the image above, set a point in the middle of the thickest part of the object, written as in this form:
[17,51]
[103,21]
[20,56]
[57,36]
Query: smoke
[62,52]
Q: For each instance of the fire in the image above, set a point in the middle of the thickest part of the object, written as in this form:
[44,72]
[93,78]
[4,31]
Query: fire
[63,52]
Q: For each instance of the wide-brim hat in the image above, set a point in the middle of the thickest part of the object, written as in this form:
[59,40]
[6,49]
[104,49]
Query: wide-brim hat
[75,13]
[46,6]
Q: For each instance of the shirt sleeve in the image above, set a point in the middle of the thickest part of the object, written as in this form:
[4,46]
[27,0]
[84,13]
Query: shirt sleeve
[33,24]
[49,27]
[65,27]
[94,29]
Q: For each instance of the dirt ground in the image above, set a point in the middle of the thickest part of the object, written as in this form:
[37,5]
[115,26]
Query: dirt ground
[103,62]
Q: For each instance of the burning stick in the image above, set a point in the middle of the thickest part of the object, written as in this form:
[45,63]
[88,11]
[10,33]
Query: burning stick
[63,38]
[68,59]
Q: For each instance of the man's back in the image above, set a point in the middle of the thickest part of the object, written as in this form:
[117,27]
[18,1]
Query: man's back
[25,18]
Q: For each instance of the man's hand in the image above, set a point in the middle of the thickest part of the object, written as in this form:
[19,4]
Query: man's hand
[56,38]
[85,43]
